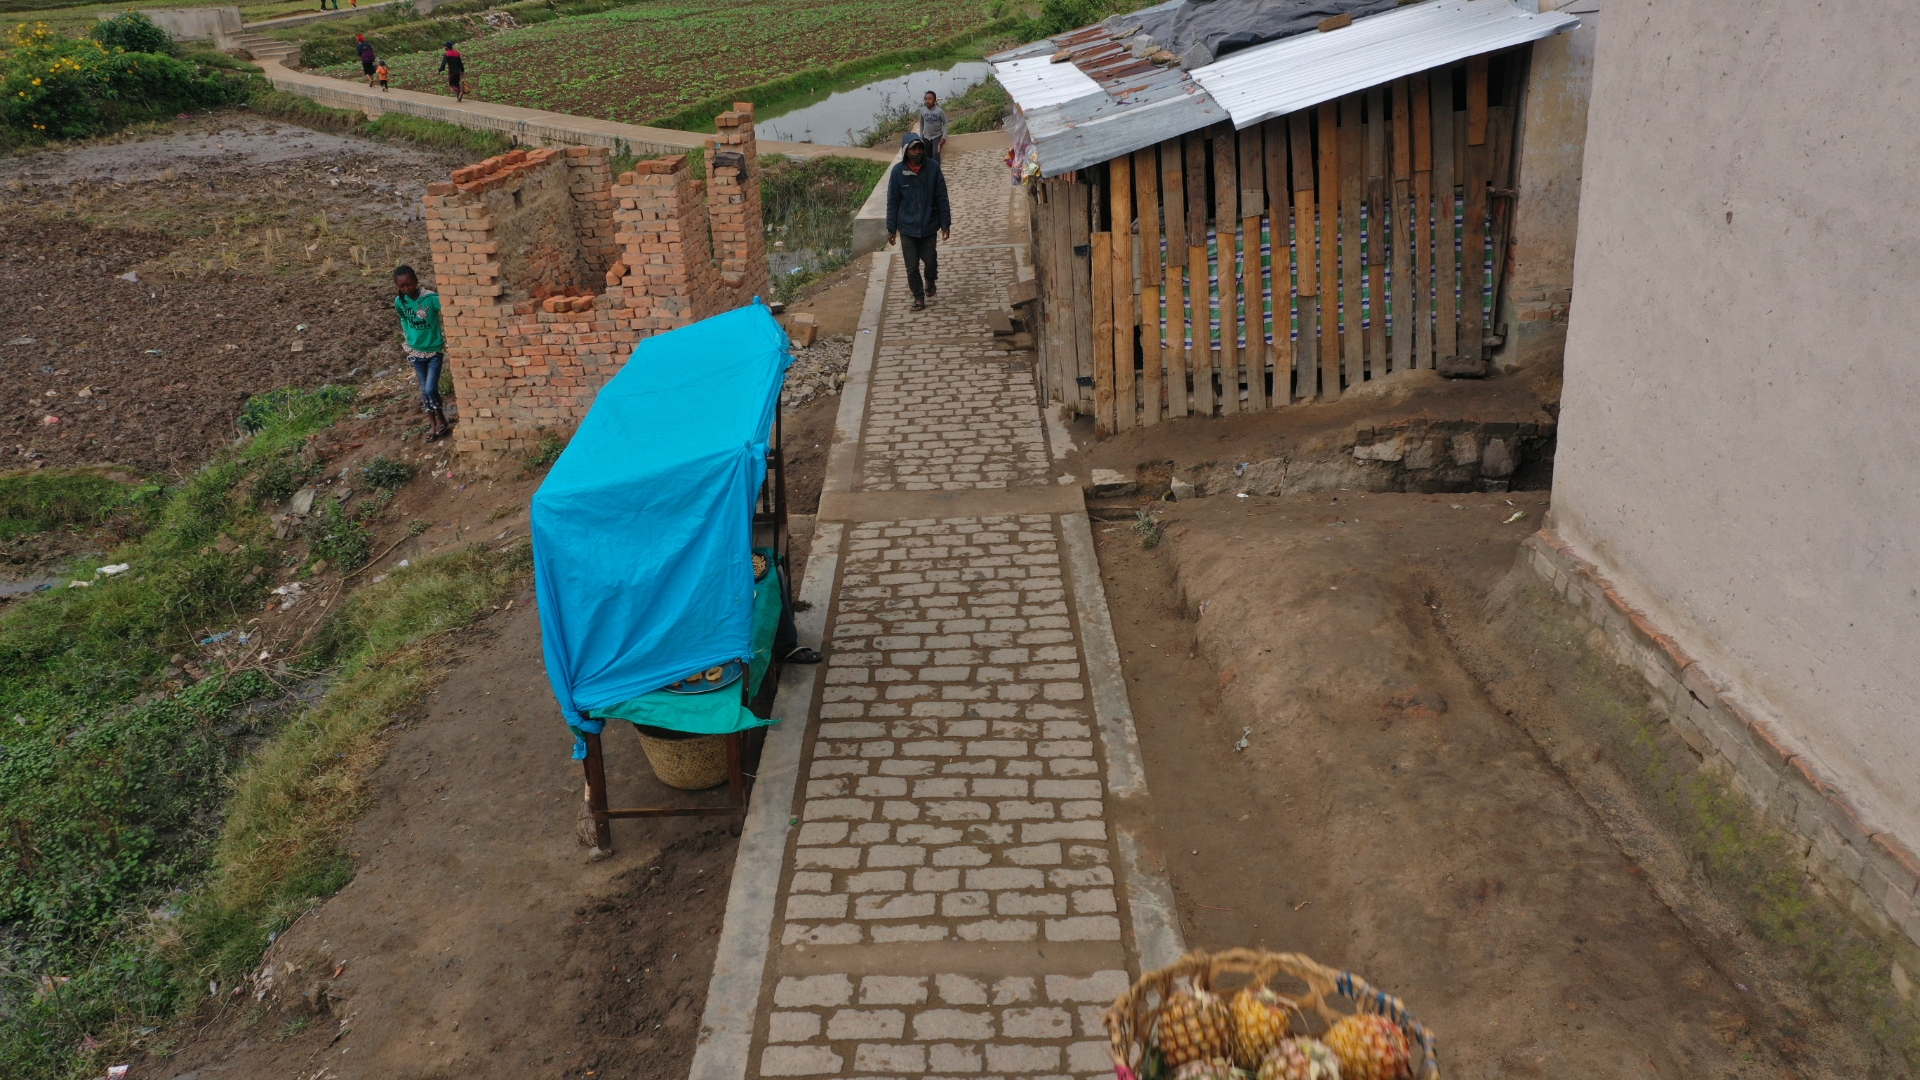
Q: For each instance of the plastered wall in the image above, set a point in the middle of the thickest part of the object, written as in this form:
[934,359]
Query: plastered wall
[1738,447]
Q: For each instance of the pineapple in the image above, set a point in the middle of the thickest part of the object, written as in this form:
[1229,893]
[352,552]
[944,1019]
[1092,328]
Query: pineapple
[1208,1069]
[1259,1022]
[1195,1026]
[1370,1047]
[1299,1059]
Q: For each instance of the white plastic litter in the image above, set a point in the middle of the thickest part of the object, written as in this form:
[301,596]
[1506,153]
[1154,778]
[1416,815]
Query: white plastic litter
[116,568]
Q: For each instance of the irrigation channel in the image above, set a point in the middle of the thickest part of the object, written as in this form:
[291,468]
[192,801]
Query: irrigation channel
[843,116]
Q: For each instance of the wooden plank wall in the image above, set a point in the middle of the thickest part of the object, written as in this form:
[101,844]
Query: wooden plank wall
[1353,239]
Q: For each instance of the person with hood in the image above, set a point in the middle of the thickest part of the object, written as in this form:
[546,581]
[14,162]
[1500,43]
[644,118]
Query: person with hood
[455,66]
[916,210]
[365,50]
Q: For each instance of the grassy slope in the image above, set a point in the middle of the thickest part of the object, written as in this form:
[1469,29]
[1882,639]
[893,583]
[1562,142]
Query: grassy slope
[156,834]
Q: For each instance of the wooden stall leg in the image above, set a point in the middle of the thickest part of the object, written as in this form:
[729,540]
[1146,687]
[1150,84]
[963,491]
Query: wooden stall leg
[737,779]
[596,767]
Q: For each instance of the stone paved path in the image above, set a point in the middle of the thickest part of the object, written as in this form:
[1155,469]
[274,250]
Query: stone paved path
[948,902]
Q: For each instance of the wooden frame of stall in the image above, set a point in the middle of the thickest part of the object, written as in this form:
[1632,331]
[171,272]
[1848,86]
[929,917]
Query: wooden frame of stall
[1349,227]
[743,747]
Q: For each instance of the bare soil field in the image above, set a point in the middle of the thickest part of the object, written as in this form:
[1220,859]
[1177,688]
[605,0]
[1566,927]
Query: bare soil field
[259,254]
[1331,775]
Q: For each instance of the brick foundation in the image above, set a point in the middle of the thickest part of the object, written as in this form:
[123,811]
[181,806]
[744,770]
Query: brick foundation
[551,270]
[1869,872]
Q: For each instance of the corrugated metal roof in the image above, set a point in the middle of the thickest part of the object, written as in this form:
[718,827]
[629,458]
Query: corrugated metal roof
[1101,100]
[1036,82]
[1119,103]
[1284,76]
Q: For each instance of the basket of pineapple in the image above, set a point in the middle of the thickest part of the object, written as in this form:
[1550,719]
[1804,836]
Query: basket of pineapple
[1248,1014]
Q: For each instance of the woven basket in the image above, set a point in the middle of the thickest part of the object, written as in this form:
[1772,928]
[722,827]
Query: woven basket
[1304,985]
[688,764]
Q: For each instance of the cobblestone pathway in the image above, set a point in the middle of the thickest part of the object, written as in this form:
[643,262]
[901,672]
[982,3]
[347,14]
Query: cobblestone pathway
[948,904]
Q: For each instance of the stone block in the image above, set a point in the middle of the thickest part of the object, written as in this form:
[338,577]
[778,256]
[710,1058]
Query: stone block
[952,1024]
[813,990]
[792,1026]
[893,990]
[799,1061]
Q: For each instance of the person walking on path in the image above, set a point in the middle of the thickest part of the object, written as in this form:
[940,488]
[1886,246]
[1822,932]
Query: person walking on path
[933,125]
[455,66]
[380,72]
[366,58]
[917,209]
[426,343]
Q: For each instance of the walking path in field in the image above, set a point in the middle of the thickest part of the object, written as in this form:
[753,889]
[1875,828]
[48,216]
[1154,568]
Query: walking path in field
[528,127]
[940,874]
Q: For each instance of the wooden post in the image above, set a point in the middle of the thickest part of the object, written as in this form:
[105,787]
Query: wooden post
[1422,220]
[1179,326]
[1103,333]
[1226,222]
[1446,261]
[1120,202]
[1473,248]
[1305,351]
[1146,182]
[1080,246]
[1400,258]
[1501,120]
[1328,193]
[1194,146]
[1200,360]
[1280,274]
[1376,315]
[596,770]
[1353,192]
[1253,202]
[1477,100]
[1172,193]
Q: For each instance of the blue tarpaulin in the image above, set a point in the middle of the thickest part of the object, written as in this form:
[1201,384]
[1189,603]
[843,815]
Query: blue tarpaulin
[642,531]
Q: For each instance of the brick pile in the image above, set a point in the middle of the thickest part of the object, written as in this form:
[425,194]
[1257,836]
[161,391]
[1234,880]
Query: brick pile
[551,270]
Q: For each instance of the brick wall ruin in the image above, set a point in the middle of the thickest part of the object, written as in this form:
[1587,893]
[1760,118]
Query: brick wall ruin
[550,270]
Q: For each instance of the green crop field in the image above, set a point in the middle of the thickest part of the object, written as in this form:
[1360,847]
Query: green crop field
[654,60]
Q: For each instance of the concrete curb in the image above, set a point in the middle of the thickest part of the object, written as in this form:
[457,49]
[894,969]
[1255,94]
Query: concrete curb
[870,221]
[1156,927]
[853,393]
[739,967]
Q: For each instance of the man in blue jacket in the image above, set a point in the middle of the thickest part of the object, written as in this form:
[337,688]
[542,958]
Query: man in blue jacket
[916,210]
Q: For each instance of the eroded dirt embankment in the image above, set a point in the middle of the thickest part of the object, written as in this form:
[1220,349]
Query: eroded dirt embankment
[1387,816]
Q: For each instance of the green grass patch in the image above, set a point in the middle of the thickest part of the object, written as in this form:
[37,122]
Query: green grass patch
[284,844]
[808,206]
[1751,864]
[111,782]
[153,836]
[35,501]
[306,112]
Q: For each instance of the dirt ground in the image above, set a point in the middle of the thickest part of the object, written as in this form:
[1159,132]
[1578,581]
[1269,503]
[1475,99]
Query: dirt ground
[260,252]
[476,939]
[1522,395]
[1385,815]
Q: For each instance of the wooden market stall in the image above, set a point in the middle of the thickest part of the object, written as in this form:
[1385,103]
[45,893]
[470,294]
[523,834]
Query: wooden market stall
[1251,212]
[660,559]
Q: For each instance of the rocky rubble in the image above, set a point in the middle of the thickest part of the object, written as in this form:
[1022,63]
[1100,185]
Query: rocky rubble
[818,370]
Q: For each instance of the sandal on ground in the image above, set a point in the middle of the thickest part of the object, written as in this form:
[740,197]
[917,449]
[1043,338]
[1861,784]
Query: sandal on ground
[918,305]
[801,656]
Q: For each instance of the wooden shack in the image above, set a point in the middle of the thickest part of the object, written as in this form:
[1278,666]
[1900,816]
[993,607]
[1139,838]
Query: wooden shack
[1217,233]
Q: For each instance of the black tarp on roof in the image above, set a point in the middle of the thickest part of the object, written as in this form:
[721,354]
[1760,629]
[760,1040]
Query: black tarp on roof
[1202,31]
